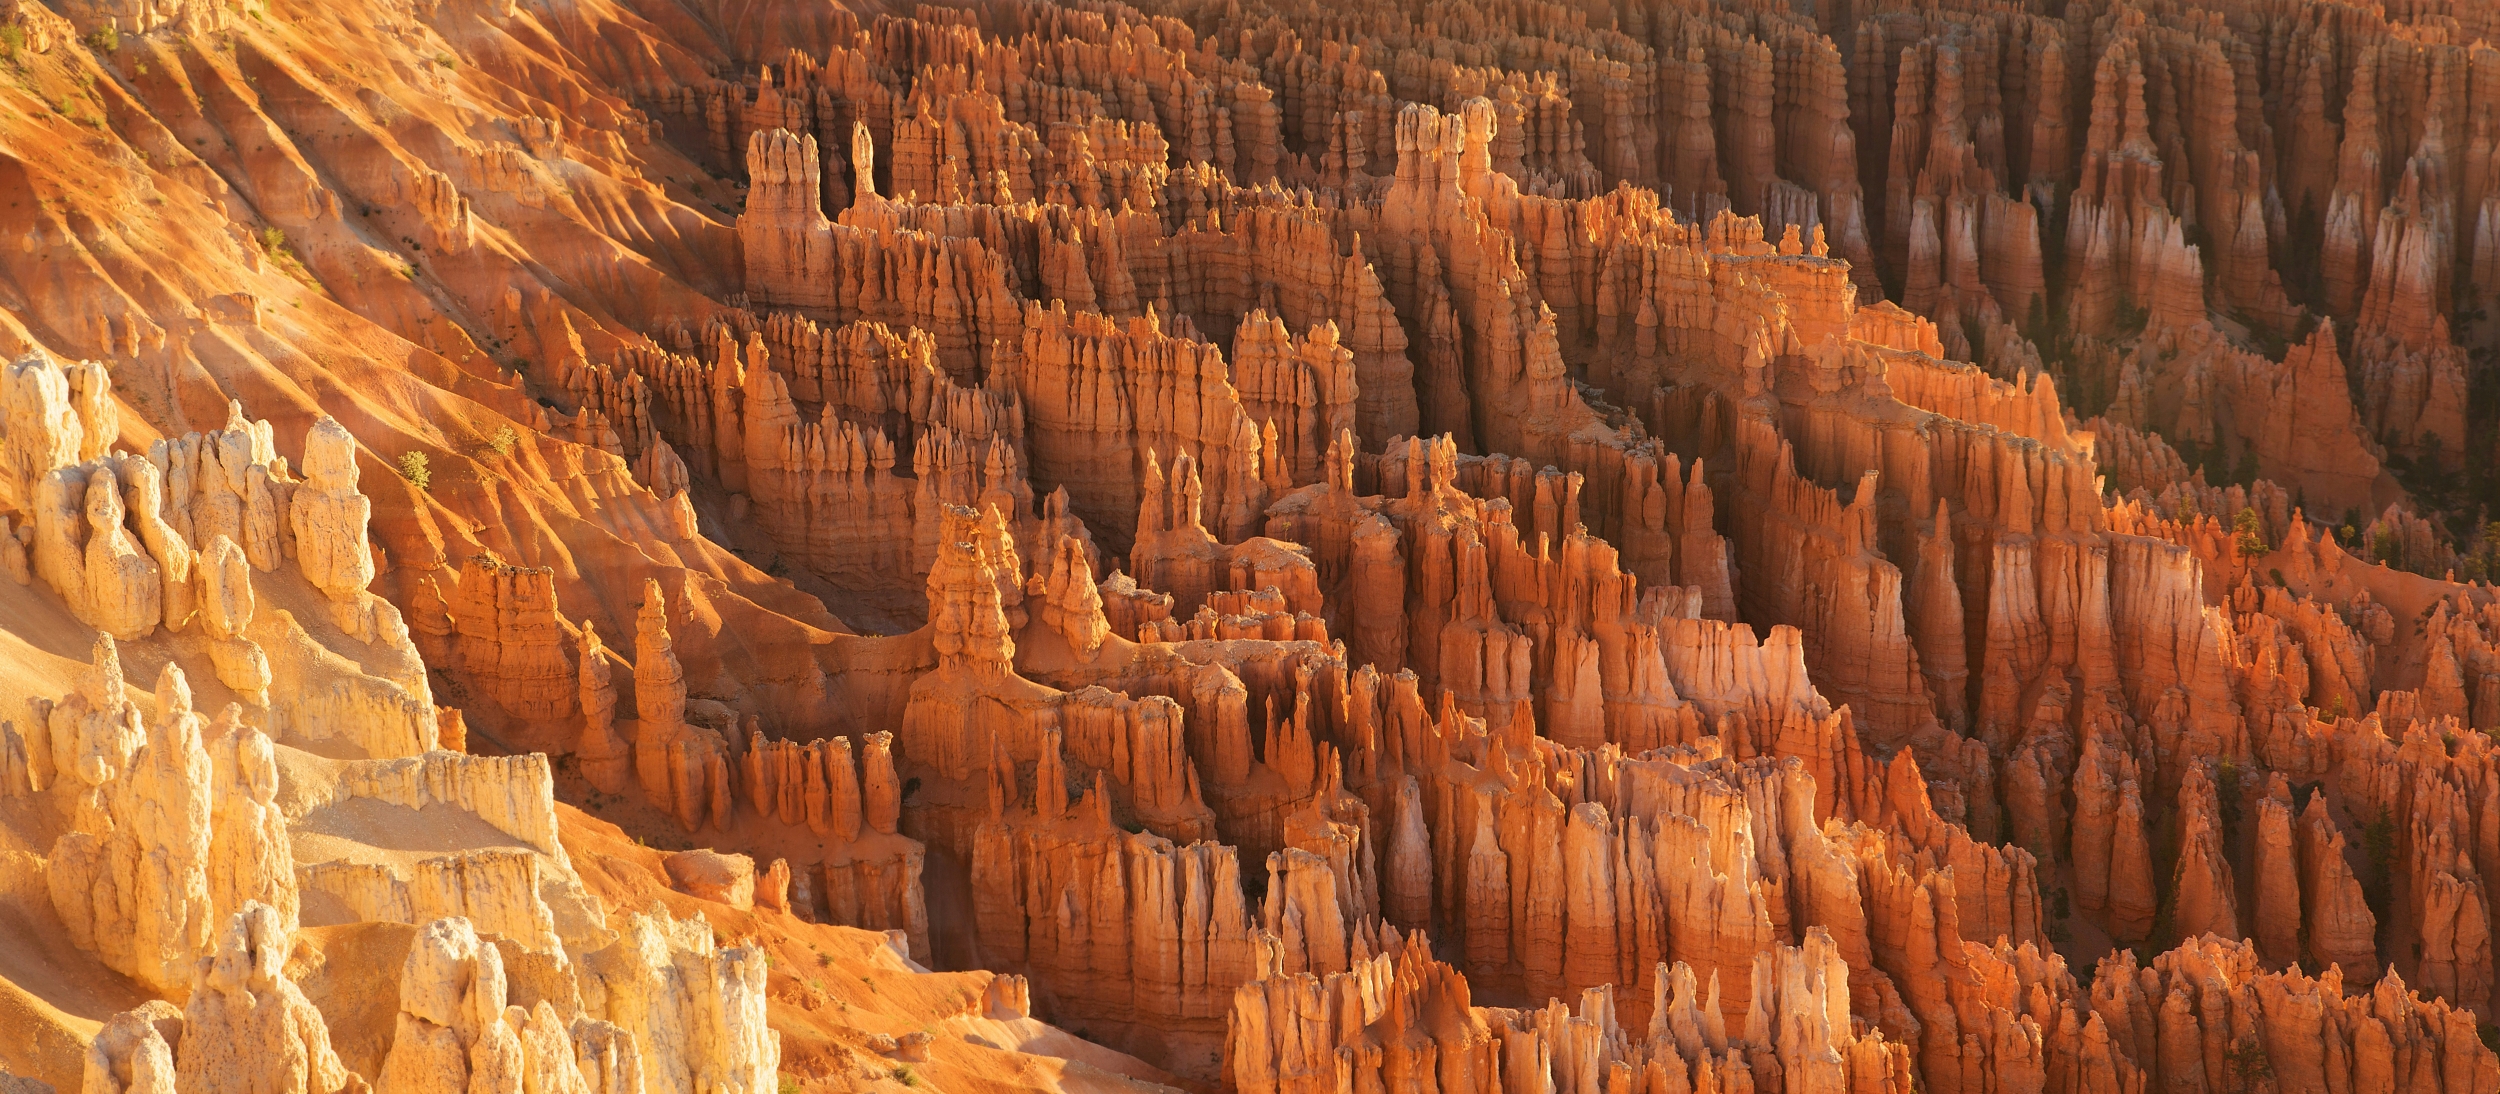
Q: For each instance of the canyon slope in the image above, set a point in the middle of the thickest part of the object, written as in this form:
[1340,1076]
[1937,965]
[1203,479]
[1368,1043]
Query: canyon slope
[1654,547]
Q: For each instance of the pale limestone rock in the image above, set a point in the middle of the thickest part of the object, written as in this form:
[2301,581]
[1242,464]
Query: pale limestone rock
[134,1052]
[143,495]
[516,794]
[377,703]
[219,472]
[43,427]
[91,396]
[226,605]
[124,588]
[132,882]
[499,892]
[248,1029]
[371,892]
[227,602]
[495,891]
[177,462]
[1800,1011]
[695,1010]
[235,485]
[328,516]
[608,1061]
[457,1035]
[18,777]
[251,857]
[90,735]
[59,546]
[16,551]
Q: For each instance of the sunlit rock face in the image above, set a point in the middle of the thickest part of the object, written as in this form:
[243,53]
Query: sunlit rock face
[1259,547]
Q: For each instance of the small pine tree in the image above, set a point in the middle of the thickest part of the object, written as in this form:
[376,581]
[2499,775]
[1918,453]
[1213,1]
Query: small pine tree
[2250,1068]
[2244,472]
[2249,533]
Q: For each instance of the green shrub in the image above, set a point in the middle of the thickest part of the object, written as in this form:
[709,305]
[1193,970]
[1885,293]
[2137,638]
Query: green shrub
[273,243]
[504,440]
[417,469]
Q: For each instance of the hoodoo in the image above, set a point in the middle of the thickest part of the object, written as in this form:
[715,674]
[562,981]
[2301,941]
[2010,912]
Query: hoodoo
[1094,545]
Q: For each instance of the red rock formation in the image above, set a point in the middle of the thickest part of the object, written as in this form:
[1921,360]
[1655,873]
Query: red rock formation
[606,757]
[1461,464]
[1104,402]
[870,875]
[2112,855]
[2278,910]
[2204,895]
[2280,1023]
[1122,928]
[682,768]
[510,642]
[2342,931]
